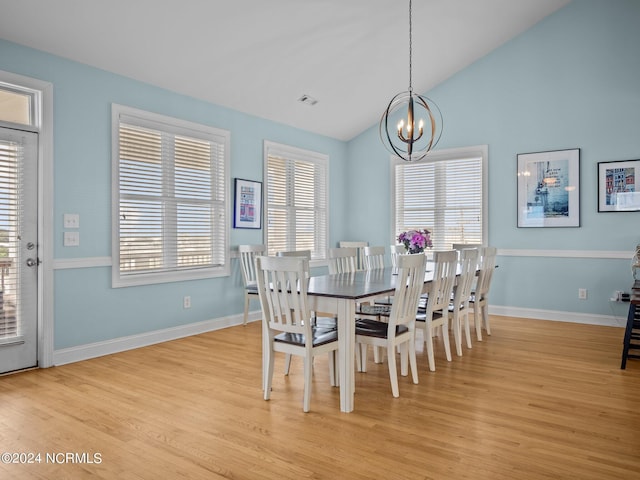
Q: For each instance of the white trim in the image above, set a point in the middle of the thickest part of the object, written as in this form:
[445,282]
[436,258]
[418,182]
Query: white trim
[46,242]
[481,151]
[289,152]
[92,262]
[87,262]
[558,316]
[45,209]
[171,125]
[623,255]
[117,345]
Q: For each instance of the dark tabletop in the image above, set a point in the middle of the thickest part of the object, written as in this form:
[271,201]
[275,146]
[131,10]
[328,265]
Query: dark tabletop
[357,284]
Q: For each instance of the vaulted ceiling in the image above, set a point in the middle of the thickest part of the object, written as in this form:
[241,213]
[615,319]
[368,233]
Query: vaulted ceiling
[261,56]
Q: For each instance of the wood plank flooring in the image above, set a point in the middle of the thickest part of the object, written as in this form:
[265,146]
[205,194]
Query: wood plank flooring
[536,400]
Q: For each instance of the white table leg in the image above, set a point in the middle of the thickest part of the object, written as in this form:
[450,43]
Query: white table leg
[346,345]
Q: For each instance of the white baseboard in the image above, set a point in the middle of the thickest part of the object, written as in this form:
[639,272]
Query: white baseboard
[108,347]
[559,316]
[116,345]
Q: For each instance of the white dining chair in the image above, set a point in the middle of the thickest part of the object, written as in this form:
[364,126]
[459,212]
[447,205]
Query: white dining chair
[399,329]
[342,260]
[480,296]
[357,245]
[248,254]
[373,258]
[395,251]
[287,322]
[295,253]
[460,306]
[436,311]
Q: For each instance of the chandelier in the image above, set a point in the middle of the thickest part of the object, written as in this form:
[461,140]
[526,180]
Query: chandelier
[405,140]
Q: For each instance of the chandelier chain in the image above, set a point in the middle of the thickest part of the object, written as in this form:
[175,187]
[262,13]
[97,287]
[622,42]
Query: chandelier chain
[410,47]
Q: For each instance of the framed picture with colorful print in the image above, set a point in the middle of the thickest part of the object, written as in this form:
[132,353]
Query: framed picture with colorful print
[247,209]
[619,186]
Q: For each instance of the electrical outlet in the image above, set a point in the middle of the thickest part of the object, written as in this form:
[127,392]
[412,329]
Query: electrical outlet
[71,239]
[186,302]
[71,220]
[582,293]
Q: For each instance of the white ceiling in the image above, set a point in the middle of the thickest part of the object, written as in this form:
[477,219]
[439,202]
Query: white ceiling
[260,56]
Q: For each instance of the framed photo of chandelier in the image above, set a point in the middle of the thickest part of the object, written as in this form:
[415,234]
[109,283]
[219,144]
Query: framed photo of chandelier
[549,189]
[619,186]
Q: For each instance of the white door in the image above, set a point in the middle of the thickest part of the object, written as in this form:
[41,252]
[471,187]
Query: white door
[18,249]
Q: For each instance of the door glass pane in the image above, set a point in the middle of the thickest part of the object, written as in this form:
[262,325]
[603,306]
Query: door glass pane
[10,156]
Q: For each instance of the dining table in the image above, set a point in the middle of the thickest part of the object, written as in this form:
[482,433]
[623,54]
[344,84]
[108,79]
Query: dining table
[339,294]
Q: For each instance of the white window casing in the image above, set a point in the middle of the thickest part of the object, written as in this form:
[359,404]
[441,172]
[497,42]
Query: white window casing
[446,193]
[297,210]
[170,196]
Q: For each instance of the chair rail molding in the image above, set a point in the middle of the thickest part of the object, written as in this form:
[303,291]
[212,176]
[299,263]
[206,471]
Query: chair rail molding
[84,262]
[614,254]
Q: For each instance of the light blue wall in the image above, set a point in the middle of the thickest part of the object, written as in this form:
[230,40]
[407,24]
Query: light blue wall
[87,309]
[571,81]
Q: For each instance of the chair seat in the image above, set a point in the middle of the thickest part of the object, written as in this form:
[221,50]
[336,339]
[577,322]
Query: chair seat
[375,310]
[422,317]
[374,328]
[321,336]
[253,289]
[326,323]
[384,301]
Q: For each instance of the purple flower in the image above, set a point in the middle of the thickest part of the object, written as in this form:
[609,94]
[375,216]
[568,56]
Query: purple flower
[415,241]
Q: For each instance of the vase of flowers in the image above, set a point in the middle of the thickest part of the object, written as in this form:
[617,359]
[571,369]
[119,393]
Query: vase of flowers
[415,241]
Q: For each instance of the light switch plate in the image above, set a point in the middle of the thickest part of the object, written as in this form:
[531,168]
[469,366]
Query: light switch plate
[71,239]
[71,220]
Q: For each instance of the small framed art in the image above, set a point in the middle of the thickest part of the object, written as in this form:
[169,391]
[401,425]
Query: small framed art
[247,208]
[618,186]
[549,189]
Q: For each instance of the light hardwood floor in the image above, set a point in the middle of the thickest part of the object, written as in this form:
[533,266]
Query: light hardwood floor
[536,400]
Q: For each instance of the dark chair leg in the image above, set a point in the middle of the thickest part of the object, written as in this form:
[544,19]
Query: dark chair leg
[631,334]
[627,336]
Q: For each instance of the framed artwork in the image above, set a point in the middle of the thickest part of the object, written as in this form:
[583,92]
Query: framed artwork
[549,189]
[247,208]
[619,186]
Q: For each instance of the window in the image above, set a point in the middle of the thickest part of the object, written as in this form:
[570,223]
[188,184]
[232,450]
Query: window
[170,199]
[296,200]
[444,193]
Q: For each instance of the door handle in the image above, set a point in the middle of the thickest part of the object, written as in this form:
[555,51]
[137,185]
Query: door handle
[31,262]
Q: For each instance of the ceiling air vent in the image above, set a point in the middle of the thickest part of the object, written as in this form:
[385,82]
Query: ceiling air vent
[308,100]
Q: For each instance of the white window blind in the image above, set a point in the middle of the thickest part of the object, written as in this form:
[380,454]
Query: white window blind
[172,197]
[445,193]
[296,200]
